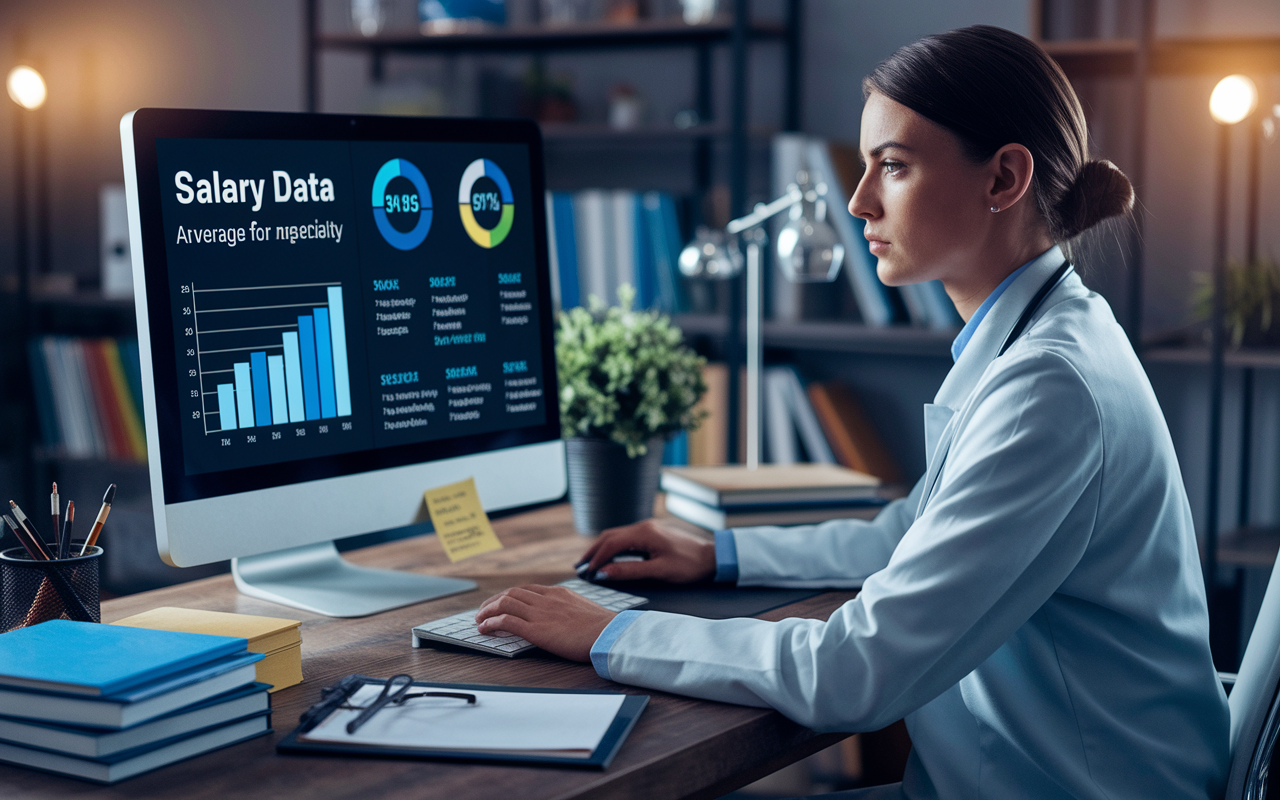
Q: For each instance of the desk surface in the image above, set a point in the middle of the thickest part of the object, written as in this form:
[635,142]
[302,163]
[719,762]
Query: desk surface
[680,747]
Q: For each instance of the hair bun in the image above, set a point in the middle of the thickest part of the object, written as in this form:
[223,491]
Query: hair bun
[1100,191]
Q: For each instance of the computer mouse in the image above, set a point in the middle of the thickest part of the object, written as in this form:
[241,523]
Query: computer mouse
[624,556]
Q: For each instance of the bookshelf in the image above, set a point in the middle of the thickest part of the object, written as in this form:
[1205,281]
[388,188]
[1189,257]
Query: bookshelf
[1142,57]
[826,336]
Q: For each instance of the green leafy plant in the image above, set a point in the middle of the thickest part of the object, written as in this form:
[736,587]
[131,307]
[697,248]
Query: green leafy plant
[626,375]
[1250,302]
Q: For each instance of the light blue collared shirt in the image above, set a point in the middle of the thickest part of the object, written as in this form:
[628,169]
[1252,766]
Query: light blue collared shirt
[970,327]
[726,572]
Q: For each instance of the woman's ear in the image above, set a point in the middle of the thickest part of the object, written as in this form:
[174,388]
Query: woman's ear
[1011,169]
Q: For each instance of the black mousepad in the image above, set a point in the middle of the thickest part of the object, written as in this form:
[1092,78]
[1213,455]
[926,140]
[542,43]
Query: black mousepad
[711,601]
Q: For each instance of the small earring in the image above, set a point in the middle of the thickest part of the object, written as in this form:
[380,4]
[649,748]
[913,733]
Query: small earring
[995,209]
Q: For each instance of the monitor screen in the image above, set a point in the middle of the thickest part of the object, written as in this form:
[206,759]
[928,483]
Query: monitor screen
[327,295]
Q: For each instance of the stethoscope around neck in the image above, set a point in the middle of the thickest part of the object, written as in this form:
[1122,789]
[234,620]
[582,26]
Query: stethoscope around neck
[1034,305]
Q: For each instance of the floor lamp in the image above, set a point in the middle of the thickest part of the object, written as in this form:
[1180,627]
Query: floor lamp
[808,251]
[27,89]
[1233,100]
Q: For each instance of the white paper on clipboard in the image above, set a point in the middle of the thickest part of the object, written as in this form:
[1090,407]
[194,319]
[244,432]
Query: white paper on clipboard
[498,722]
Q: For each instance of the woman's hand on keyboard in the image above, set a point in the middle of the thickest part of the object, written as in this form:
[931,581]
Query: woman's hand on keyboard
[554,618]
[674,554]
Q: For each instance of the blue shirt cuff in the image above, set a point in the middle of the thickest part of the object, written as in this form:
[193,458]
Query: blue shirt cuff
[604,642]
[726,557]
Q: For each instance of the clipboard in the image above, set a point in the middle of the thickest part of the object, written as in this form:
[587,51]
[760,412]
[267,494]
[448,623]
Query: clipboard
[337,695]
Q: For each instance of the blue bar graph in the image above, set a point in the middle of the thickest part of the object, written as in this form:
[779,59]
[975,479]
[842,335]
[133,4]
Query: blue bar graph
[310,383]
[293,377]
[279,406]
[324,363]
[227,406]
[261,389]
[287,368]
[244,395]
[337,328]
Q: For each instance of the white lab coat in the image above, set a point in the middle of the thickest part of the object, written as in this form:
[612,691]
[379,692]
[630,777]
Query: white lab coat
[1034,607]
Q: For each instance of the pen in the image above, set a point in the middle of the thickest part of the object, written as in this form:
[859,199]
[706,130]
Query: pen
[55,505]
[64,544]
[30,529]
[21,533]
[92,538]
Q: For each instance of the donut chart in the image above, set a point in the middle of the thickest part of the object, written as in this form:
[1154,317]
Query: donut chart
[485,237]
[397,168]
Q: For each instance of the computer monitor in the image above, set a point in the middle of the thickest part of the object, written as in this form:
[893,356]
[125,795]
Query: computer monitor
[325,334]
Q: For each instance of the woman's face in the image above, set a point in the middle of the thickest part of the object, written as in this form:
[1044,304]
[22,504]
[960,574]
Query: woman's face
[925,203]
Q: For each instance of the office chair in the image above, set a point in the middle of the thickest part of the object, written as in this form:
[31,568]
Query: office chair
[1254,701]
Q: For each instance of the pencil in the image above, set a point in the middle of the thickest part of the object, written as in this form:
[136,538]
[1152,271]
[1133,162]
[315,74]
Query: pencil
[24,539]
[55,506]
[30,529]
[92,538]
[64,544]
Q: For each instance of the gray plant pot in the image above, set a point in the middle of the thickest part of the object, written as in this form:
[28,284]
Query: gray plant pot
[608,488]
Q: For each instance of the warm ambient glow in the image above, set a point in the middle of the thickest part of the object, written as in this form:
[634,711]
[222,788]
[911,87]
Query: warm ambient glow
[1234,98]
[26,87]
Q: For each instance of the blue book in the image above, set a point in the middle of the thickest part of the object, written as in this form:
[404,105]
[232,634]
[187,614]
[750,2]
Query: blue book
[566,249]
[646,268]
[46,410]
[86,658]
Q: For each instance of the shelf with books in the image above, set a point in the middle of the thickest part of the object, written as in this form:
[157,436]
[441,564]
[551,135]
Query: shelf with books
[536,38]
[832,336]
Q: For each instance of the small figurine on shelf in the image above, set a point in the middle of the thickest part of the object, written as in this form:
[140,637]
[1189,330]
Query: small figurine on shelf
[626,107]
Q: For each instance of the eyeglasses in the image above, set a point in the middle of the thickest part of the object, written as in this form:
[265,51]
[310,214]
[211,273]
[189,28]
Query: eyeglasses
[394,693]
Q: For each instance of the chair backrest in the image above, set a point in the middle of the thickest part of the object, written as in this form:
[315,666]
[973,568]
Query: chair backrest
[1253,701]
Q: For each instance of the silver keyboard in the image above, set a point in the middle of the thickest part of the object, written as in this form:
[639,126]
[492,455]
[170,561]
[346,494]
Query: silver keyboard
[460,629]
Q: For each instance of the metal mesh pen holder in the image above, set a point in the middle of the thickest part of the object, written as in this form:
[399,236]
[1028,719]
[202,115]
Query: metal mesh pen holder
[33,591]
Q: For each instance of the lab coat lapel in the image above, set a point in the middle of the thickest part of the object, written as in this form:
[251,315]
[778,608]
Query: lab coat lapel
[941,418]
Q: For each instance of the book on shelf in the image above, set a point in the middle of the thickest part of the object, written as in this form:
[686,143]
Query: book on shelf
[279,640]
[106,702]
[88,397]
[852,437]
[600,239]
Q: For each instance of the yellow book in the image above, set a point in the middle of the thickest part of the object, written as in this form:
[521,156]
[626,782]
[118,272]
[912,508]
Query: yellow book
[279,639]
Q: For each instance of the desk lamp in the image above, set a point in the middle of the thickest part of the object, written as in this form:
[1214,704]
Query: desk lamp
[808,251]
[1233,100]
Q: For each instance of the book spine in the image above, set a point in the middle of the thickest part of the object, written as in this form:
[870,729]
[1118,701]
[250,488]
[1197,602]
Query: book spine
[130,417]
[46,410]
[553,254]
[815,443]
[566,250]
[624,243]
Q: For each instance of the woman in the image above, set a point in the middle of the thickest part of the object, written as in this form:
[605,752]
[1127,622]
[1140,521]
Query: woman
[1034,607]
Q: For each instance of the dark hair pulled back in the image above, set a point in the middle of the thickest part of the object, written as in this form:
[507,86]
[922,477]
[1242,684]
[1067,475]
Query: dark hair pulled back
[992,87]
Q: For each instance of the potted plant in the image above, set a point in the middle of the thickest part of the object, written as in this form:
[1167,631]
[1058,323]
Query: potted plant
[1251,302]
[627,384]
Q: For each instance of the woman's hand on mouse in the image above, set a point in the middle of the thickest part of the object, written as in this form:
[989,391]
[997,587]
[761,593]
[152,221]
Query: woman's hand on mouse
[674,554]
[554,618]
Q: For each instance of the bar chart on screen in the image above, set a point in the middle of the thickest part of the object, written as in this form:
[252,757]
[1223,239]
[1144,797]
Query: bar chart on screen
[270,355]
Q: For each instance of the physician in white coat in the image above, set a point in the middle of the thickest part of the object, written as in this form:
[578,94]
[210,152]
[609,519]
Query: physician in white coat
[1035,607]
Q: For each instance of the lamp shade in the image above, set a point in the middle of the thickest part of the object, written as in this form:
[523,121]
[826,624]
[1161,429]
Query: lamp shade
[26,87]
[1234,98]
[809,251]
[708,256]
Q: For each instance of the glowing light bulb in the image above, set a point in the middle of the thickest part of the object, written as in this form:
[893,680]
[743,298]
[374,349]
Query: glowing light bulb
[1234,98]
[26,87]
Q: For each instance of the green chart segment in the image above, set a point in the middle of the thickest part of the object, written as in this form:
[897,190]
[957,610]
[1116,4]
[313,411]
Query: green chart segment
[271,355]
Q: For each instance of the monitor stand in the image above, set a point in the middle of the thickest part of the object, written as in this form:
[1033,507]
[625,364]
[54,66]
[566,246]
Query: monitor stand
[315,578]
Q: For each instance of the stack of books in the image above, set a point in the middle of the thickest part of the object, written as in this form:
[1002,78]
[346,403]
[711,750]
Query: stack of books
[105,703]
[720,497]
[278,640]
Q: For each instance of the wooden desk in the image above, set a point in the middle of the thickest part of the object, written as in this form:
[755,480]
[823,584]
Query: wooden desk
[680,747]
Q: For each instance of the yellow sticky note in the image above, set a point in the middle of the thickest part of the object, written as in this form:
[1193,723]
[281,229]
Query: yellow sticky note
[461,524]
